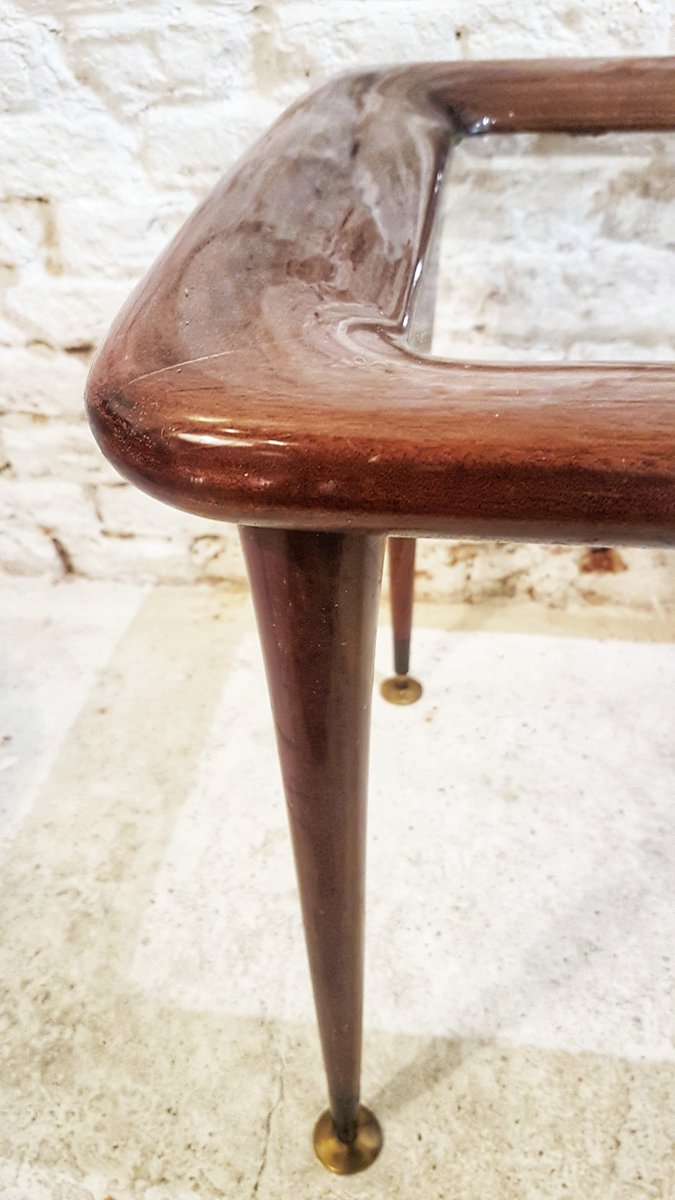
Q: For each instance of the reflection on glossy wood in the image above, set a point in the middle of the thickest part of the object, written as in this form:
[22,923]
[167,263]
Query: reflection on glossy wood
[316,598]
[270,370]
[260,373]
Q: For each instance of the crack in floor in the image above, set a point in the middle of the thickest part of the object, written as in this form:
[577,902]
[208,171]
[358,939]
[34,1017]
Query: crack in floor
[279,1086]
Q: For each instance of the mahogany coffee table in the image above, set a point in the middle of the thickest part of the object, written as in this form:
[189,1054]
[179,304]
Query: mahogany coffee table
[268,371]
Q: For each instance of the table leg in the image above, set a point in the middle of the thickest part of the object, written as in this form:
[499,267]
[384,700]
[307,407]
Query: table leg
[316,599]
[401,688]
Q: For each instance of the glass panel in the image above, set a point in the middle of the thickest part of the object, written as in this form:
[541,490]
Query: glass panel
[558,248]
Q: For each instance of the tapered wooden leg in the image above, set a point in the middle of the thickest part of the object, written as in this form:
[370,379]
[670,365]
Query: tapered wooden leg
[401,582]
[316,599]
[401,689]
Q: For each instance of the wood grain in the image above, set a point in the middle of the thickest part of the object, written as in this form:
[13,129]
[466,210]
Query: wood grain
[261,372]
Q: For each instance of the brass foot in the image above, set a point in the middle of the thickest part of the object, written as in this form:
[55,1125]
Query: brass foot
[348,1158]
[401,689]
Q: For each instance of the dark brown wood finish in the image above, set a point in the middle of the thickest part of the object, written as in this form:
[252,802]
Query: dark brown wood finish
[261,373]
[401,585]
[316,597]
[270,370]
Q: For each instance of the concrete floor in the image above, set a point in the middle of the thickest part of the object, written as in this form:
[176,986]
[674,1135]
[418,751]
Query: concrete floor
[156,1030]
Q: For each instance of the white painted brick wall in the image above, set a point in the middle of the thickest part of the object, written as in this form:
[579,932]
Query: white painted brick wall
[116,116]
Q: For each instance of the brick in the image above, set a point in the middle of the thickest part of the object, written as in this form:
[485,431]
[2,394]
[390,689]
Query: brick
[521,29]
[301,43]
[218,556]
[32,70]
[206,59]
[126,510]
[65,152]
[123,70]
[62,311]
[42,382]
[198,144]
[26,550]
[142,559]
[43,449]
[200,549]
[45,521]
[187,62]
[22,232]
[134,231]
[554,576]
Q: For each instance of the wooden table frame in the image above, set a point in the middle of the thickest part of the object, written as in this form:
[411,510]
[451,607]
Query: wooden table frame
[263,373]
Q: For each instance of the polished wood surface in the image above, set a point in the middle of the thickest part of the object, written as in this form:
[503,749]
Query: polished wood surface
[401,553]
[272,369]
[261,373]
[316,597]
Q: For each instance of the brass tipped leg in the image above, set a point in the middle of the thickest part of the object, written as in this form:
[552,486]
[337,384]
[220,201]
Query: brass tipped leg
[401,689]
[347,1158]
